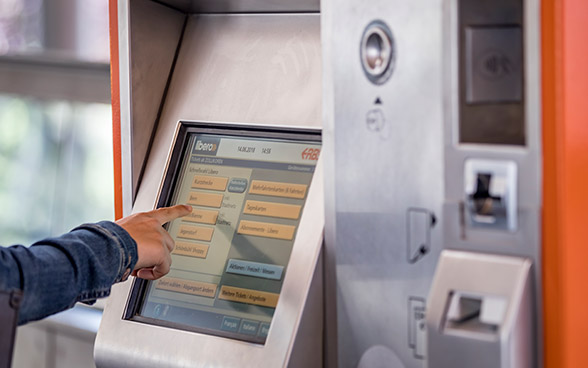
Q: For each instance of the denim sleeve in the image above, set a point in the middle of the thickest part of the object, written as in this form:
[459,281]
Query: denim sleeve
[79,266]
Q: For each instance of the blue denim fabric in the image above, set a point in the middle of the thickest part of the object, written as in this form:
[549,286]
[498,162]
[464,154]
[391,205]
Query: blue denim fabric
[79,266]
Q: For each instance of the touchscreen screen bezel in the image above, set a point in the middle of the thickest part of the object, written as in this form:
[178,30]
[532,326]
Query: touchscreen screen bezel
[172,174]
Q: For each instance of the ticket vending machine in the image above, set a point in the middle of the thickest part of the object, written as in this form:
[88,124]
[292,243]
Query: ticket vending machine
[220,108]
[434,194]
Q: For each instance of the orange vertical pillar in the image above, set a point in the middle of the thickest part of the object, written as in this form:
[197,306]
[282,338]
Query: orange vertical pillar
[565,172]
[115,96]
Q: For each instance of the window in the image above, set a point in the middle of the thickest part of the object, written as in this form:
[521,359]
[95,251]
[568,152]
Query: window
[55,117]
[55,166]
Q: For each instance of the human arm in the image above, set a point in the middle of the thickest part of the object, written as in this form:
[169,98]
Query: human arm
[82,265]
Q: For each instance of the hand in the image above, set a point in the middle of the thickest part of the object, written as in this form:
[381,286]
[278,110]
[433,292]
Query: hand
[154,244]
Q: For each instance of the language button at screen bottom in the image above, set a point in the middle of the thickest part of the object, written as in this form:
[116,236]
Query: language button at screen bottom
[249,327]
[230,324]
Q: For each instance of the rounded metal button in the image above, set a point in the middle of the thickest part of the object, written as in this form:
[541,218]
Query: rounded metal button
[377,52]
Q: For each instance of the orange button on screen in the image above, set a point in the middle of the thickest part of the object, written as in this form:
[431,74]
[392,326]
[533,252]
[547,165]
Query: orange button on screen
[195,232]
[249,296]
[266,230]
[277,189]
[191,249]
[271,209]
[210,182]
[205,199]
[202,216]
[187,287]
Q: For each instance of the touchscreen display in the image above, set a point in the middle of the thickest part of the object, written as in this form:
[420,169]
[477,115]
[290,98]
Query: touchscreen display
[232,251]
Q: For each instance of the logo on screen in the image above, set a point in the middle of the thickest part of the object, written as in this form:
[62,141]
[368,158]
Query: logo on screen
[200,146]
[206,146]
[311,154]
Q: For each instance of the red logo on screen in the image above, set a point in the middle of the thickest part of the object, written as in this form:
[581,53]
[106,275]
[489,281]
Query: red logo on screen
[311,154]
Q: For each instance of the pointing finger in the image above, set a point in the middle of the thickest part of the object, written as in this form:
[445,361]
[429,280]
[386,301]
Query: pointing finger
[167,214]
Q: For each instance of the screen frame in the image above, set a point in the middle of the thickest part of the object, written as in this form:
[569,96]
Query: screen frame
[171,176]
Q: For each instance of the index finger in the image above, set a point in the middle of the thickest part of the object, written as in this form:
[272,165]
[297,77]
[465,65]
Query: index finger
[167,214]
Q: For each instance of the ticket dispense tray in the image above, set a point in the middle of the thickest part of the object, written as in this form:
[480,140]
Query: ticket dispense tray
[244,258]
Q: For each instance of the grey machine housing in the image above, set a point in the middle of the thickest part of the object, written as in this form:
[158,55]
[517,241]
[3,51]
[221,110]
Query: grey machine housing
[432,148]
[253,63]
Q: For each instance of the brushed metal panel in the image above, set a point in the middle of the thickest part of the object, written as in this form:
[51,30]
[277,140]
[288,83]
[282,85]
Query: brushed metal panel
[526,241]
[380,173]
[155,33]
[244,6]
[263,69]
[328,153]
[307,348]
[410,157]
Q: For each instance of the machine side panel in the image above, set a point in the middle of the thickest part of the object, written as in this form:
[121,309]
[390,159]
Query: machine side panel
[153,27]
[525,239]
[387,148]
[307,350]
[328,153]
